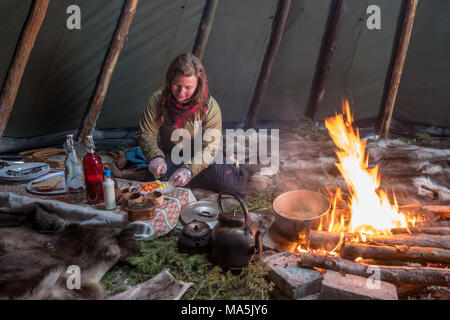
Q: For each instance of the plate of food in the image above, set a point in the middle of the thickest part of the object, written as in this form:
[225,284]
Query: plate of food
[52,183]
[161,186]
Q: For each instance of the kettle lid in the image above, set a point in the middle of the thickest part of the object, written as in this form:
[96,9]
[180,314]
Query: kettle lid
[196,229]
[235,217]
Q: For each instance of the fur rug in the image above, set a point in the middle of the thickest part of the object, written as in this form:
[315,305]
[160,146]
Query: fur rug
[37,247]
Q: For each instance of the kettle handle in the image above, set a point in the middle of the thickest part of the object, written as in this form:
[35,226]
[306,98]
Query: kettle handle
[241,202]
[258,243]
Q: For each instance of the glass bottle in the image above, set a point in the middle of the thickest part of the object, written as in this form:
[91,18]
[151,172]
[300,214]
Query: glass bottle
[109,191]
[73,174]
[93,172]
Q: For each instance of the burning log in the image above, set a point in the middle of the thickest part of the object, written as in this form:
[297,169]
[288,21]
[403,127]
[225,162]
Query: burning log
[396,275]
[329,240]
[352,251]
[441,211]
[431,211]
[442,231]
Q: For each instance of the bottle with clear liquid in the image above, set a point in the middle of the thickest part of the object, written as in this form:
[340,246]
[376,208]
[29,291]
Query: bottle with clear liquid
[73,173]
[93,173]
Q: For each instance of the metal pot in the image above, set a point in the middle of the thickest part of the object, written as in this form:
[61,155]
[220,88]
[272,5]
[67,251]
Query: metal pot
[235,239]
[299,211]
[206,211]
[195,238]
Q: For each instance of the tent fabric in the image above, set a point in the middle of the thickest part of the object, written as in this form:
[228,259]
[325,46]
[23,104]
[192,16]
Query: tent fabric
[424,94]
[64,65]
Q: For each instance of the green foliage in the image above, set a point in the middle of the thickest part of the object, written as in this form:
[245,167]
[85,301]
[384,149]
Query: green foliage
[262,203]
[310,130]
[422,139]
[210,282]
[259,204]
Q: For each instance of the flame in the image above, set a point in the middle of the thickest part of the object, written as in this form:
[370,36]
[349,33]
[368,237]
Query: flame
[371,210]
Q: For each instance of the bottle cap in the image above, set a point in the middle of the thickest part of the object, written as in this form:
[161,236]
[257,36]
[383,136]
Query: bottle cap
[107,173]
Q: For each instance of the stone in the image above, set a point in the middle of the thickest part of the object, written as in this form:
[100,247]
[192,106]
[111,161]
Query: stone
[277,294]
[292,280]
[350,287]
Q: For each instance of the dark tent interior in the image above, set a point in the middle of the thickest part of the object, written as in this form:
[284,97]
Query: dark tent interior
[281,71]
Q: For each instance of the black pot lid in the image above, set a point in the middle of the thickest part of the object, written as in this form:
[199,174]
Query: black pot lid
[196,229]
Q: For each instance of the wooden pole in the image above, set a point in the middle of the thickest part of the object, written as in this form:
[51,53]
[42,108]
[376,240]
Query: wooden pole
[400,57]
[269,57]
[205,28]
[19,62]
[329,42]
[120,36]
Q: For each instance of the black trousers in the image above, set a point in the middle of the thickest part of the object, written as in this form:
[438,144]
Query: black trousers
[216,177]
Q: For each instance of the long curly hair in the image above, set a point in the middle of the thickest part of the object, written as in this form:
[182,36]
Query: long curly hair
[185,64]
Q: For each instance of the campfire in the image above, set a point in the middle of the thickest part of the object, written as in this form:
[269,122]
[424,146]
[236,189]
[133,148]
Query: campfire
[368,230]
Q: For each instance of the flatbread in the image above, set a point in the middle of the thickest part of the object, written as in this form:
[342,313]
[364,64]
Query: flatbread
[52,184]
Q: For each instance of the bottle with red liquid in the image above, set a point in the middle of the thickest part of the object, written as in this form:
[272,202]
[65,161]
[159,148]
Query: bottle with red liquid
[93,173]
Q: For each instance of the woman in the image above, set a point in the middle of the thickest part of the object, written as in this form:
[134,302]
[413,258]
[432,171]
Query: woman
[185,103]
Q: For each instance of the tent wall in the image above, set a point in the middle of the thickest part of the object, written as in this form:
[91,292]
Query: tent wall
[64,64]
[424,93]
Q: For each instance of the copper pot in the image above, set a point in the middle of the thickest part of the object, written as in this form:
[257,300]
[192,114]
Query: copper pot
[299,211]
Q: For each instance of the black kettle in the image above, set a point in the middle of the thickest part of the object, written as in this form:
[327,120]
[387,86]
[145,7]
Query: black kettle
[235,240]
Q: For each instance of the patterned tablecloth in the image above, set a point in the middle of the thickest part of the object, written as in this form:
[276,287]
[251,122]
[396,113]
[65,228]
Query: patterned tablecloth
[166,216]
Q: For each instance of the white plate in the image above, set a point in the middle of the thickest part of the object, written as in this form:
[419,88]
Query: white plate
[47,176]
[13,173]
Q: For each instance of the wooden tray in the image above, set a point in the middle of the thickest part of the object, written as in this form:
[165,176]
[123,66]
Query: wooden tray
[45,155]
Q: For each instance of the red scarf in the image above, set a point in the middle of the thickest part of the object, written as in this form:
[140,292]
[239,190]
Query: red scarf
[180,113]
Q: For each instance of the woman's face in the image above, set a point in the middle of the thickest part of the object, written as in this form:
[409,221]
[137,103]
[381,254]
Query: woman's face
[183,87]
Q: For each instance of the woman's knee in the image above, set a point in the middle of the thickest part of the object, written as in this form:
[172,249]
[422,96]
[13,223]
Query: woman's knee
[227,178]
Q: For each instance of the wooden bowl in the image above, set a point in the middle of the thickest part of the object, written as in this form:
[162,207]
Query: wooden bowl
[155,196]
[141,211]
[131,197]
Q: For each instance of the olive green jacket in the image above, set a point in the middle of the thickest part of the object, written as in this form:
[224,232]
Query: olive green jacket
[151,125]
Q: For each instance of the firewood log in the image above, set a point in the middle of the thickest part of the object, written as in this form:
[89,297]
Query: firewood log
[433,223]
[352,251]
[438,210]
[329,240]
[396,275]
[442,231]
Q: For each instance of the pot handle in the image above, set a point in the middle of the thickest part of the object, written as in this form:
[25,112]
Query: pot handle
[241,202]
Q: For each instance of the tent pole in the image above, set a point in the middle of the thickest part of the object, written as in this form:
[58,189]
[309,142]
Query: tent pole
[19,62]
[329,41]
[400,57]
[104,80]
[205,28]
[269,58]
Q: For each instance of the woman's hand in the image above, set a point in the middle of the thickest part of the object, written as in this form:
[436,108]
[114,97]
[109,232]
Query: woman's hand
[157,167]
[181,177]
